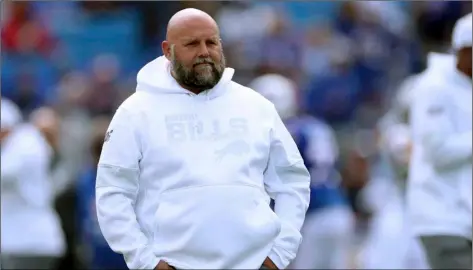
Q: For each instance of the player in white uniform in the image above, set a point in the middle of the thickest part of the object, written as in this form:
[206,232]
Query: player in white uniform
[390,243]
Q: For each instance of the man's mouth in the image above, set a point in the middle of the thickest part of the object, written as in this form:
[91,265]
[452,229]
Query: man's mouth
[201,64]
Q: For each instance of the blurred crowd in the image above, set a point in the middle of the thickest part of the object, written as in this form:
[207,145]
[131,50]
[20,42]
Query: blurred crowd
[68,65]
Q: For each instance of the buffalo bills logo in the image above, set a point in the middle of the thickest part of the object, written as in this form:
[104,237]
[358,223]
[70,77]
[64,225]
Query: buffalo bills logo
[236,148]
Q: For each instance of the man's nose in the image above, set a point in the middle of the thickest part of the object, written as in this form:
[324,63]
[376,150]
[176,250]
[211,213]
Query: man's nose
[203,50]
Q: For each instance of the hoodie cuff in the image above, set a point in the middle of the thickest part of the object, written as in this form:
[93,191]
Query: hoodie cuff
[144,260]
[153,263]
[280,257]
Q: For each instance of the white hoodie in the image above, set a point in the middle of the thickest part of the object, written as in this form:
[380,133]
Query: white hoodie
[30,225]
[395,127]
[185,178]
[439,192]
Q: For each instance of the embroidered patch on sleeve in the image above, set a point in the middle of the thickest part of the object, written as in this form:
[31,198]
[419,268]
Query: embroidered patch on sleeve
[107,135]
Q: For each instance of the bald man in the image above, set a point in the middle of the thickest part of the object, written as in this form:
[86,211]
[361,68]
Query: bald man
[186,173]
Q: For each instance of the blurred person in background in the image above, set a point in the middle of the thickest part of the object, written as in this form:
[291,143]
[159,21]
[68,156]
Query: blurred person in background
[329,225]
[96,253]
[23,33]
[104,92]
[390,241]
[378,35]
[320,41]
[440,172]
[31,232]
[28,67]
[238,39]
[75,126]
[371,44]
[389,244]
[284,56]
[399,111]
[184,126]
[335,95]
[48,122]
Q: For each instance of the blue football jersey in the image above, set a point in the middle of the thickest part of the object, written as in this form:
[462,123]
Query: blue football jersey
[318,147]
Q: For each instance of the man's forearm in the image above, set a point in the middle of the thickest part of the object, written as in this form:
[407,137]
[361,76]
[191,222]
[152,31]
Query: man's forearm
[121,230]
[291,202]
[117,218]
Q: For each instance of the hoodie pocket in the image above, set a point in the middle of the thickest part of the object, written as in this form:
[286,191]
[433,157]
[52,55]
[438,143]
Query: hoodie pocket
[218,223]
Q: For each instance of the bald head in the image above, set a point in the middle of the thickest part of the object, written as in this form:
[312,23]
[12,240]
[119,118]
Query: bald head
[189,19]
[194,49]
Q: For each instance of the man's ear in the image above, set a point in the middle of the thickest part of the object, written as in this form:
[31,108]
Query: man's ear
[166,47]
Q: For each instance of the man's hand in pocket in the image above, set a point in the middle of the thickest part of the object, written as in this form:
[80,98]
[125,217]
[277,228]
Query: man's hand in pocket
[162,265]
[268,263]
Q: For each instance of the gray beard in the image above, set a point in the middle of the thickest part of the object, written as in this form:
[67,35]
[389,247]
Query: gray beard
[189,78]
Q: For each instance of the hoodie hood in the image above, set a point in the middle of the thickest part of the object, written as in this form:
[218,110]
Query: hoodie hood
[155,77]
[445,64]
[440,61]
